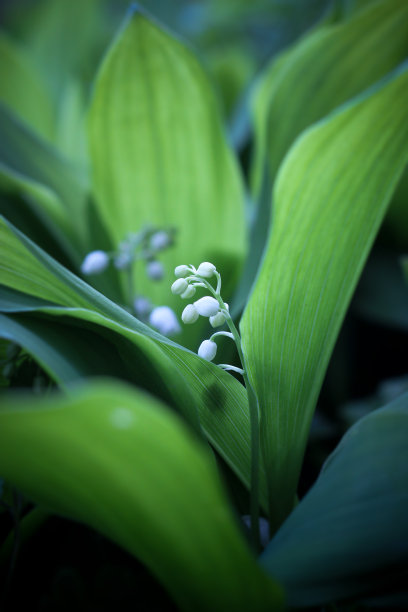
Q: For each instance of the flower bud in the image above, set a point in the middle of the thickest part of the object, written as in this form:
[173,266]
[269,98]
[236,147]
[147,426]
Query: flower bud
[164,319]
[218,319]
[179,286]
[207,350]
[95,262]
[182,271]
[189,314]
[207,306]
[189,292]
[142,306]
[154,270]
[206,269]
[159,241]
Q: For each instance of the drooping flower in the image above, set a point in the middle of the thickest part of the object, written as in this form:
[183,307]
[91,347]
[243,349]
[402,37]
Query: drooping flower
[164,320]
[189,314]
[154,270]
[206,269]
[207,306]
[159,241]
[95,262]
[207,350]
[179,286]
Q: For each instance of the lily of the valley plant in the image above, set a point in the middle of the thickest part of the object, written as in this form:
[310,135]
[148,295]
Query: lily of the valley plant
[150,400]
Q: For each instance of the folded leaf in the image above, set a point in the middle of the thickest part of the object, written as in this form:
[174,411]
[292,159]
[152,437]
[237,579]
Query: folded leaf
[330,198]
[349,535]
[118,461]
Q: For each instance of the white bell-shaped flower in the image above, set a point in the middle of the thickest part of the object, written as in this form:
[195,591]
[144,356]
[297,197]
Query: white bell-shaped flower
[218,319]
[164,319]
[95,262]
[189,314]
[188,293]
[159,241]
[206,269]
[182,271]
[154,270]
[179,286]
[207,350]
[207,306]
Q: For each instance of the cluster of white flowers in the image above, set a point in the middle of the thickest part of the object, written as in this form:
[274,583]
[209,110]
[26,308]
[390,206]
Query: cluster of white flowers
[213,307]
[144,245]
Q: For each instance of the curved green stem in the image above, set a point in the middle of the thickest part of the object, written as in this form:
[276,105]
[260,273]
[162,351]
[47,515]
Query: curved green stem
[254,423]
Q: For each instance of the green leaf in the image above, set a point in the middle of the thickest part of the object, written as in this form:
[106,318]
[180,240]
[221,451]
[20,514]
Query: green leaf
[22,89]
[193,384]
[159,155]
[118,461]
[65,351]
[322,71]
[349,534]
[330,198]
[32,167]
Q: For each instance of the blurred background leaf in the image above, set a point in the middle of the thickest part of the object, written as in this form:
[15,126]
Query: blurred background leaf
[349,535]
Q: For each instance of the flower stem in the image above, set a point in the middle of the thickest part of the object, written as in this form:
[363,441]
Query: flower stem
[254,425]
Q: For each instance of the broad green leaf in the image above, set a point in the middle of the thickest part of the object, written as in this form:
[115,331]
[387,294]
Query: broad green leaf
[322,71]
[31,166]
[349,534]
[192,384]
[22,89]
[330,198]
[159,155]
[118,461]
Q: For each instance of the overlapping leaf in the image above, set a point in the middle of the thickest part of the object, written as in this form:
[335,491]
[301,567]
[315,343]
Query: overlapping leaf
[194,385]
[118,461]
[159,155]
[349,535]
[322,71]
[330,197]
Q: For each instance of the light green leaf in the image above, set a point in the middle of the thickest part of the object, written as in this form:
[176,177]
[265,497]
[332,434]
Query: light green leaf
[159,155]
[330,198]
[191,383]
[118,461]
[349,534]
[322,71]
[22,89]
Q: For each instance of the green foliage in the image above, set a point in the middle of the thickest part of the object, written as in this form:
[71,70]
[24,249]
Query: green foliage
[132,441]
[157,492]
[350,532]
[159,154]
